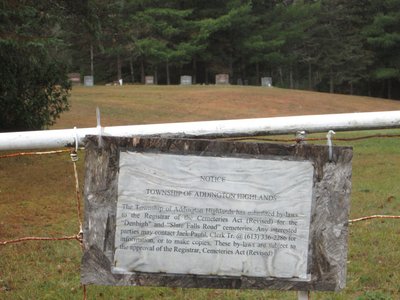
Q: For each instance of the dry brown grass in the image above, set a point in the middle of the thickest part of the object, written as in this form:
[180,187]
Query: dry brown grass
[129,105]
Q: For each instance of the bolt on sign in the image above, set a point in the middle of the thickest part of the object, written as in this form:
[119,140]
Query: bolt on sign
[215,214]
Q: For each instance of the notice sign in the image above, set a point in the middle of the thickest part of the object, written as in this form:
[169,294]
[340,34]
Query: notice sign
[201,215]
[215,214]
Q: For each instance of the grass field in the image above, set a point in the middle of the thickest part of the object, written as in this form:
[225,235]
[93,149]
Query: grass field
[37,193]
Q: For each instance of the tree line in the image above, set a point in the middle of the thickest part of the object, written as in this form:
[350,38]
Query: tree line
[341,46]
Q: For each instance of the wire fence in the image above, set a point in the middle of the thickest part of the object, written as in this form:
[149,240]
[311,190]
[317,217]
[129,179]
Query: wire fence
[77,237]
[78,200]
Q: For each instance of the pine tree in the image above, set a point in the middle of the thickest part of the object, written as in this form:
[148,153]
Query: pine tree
[383,36]
[341,55]
[33,81]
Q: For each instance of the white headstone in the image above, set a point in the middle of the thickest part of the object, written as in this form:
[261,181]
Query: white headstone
[88,80]
[186,80]
[222,79]
[266,81]
[149,80]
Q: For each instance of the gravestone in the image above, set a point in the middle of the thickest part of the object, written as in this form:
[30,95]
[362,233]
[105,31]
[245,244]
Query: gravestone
[74,78]
[215,214]
[266,81]
[186,80]
[149,79]
[240,81]
[221,79]
[88,80]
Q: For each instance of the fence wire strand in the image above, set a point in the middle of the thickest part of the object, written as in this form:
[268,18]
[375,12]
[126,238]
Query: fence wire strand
[74,158]
[373,217]
[79,237]
[285,140]
[34,153]
[35,238]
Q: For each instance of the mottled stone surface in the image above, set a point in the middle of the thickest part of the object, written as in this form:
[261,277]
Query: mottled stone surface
[329,213]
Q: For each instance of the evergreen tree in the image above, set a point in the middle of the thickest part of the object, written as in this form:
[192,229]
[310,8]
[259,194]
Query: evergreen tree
[159,37]
[82,33]
[341,56]
[33,81]
[383,36]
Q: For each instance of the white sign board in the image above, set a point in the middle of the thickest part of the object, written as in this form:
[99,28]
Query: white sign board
[187,214]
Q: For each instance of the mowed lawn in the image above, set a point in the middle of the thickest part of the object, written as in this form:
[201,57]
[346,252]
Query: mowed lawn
[130,105]
[37,194]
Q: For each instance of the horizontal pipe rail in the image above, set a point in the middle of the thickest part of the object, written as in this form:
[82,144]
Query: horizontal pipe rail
[45,139]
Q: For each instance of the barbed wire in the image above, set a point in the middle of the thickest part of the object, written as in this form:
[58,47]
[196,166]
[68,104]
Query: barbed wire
[305,139]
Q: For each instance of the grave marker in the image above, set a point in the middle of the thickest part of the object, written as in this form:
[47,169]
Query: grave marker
[88,80]
[222,79]
[197,213]
[149,79]
[266,81]
[75,78]
[186,80]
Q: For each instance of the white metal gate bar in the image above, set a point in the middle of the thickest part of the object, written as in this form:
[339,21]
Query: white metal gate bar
[224,128]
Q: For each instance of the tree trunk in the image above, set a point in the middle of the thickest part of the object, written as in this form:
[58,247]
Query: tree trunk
[119,72]
[258,73]
[142,75]
[243,71]
[91,60]
[167,70]
[291,84]
[351,88]
[194,71]
[310,84]
[131,67]
[369,89]
[206,75]
[280,75]
[389,88]
[331,87]
[156,75]
[230,68]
